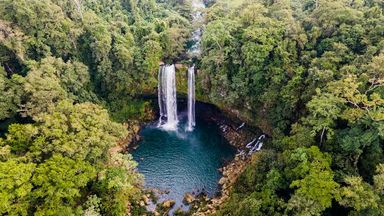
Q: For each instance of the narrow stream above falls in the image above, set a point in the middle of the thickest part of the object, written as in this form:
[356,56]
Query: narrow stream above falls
[181,161]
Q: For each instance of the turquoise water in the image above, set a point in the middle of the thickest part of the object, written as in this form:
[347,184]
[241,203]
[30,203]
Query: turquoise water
[180,161]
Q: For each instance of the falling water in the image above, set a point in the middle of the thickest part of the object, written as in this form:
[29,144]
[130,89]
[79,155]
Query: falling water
[191,98]
[159,94]
[167,97]
[166,80]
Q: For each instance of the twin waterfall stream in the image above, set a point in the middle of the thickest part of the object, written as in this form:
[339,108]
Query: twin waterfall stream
[168,101]
[167,84]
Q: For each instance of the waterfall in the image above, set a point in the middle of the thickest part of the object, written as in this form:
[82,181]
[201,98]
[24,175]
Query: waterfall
[167,97]
[191,98]
[167,84]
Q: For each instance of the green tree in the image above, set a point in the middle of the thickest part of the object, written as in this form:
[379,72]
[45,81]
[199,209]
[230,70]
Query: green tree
[15,187]
[11,93]
[315,187]
[118,184]
[58,182]
[52,80]
[358,194]
[80,131]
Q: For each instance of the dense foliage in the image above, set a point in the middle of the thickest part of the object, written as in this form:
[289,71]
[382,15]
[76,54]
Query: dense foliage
[49,166]
[120,42]
[61,64]
[310,73]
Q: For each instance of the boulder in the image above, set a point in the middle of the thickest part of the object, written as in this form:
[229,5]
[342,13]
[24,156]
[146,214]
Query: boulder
[145,199]
[222,181]
[188,198]
[135,128]
[142,204]
[168,203]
